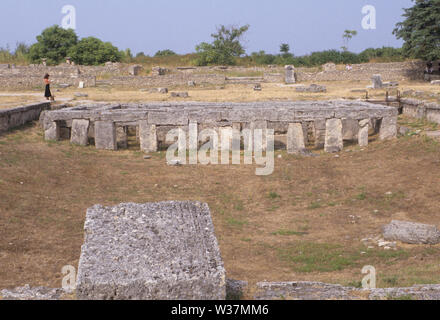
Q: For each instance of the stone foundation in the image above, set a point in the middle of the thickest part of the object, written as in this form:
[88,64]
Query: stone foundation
[327,123]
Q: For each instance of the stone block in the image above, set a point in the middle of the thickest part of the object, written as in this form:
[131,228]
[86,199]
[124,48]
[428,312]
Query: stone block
[52,132]
[333,136]
[295,139]
[105,135]
[412,233]
[152,251]
[388,128]
[148,136]
[79,132]
[290,74]
[364,127]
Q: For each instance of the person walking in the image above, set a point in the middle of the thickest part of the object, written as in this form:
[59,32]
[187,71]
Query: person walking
[48,95]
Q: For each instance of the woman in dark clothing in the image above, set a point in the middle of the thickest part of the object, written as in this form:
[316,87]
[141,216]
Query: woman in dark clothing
[47,92]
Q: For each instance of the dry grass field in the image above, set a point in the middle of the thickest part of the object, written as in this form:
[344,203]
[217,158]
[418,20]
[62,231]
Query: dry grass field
[303,222]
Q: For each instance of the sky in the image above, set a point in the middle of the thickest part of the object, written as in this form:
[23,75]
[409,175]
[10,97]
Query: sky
[179,25]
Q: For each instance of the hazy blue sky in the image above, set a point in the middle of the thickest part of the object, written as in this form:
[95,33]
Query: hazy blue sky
[151,25]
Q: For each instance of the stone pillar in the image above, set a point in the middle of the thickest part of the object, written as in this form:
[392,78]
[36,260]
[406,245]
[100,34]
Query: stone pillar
[105,135]
[80,132]
[147,136]
[319,128]
[53,132]
[263,126]
[290,74]
[388,128]
[363,132]
[377,81]
[193,141]
[295,138]
[333,136]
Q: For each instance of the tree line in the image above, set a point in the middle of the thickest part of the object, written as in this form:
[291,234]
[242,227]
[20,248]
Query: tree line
[420,32]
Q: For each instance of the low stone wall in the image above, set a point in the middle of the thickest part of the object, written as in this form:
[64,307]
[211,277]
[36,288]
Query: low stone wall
[421,110]
[364,72]
[11,118]
[14,81]
[168,80]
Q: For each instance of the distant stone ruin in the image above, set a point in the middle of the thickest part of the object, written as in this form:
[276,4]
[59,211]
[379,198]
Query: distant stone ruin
[326,120]
[152,251]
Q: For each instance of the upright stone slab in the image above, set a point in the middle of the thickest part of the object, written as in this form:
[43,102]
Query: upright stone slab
[377,81]
[364,128]
[261,126]
[80,132]
[152,251]
[105,135]
[388,128]
[295,138]
[147,136]
[52,131]
[333,136]
[290,74]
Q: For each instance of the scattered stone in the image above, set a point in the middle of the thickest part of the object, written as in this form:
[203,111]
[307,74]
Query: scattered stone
[435,82]
[404,130]
[433,134]
[152,251]
[191,83]
[64,85]
[147,157]
[179,94]
[412,233]
[312,88]
[408,92]
[235,289]
[81,85]
[158,71]
[80,95]
[159,90]
[176,163]
[359,91]
[257,87]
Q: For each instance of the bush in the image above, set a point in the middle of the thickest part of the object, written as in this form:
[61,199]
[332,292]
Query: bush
[92,51]
[165,53]
[54,43]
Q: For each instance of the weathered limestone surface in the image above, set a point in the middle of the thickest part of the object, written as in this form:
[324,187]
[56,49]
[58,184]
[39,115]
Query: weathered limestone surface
[333,136]
[79,133]
[153,251]
[364,127]
[148,136]
[28,293]
[290,74]
[105,135]
[388,128]
[412,233]
[377,81]
[323,291]
[295,139]
[52,132]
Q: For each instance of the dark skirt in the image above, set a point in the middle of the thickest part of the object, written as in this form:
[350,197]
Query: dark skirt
[47,92]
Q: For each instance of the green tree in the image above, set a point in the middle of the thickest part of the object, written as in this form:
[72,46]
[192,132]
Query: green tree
[165,53]
[421,30]
[347,36]
[54,44]
[92,51]
[225,47]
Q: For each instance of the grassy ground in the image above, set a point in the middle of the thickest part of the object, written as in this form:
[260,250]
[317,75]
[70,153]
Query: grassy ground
[303,222]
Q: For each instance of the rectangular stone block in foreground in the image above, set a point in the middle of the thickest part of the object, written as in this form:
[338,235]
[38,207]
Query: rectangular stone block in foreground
[152,251]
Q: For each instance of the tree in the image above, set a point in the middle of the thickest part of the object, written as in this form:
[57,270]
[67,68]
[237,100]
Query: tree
[92,51]
[54,44]
[421,30]
[225,47]
[165,53]
[347,36]
[284,48]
